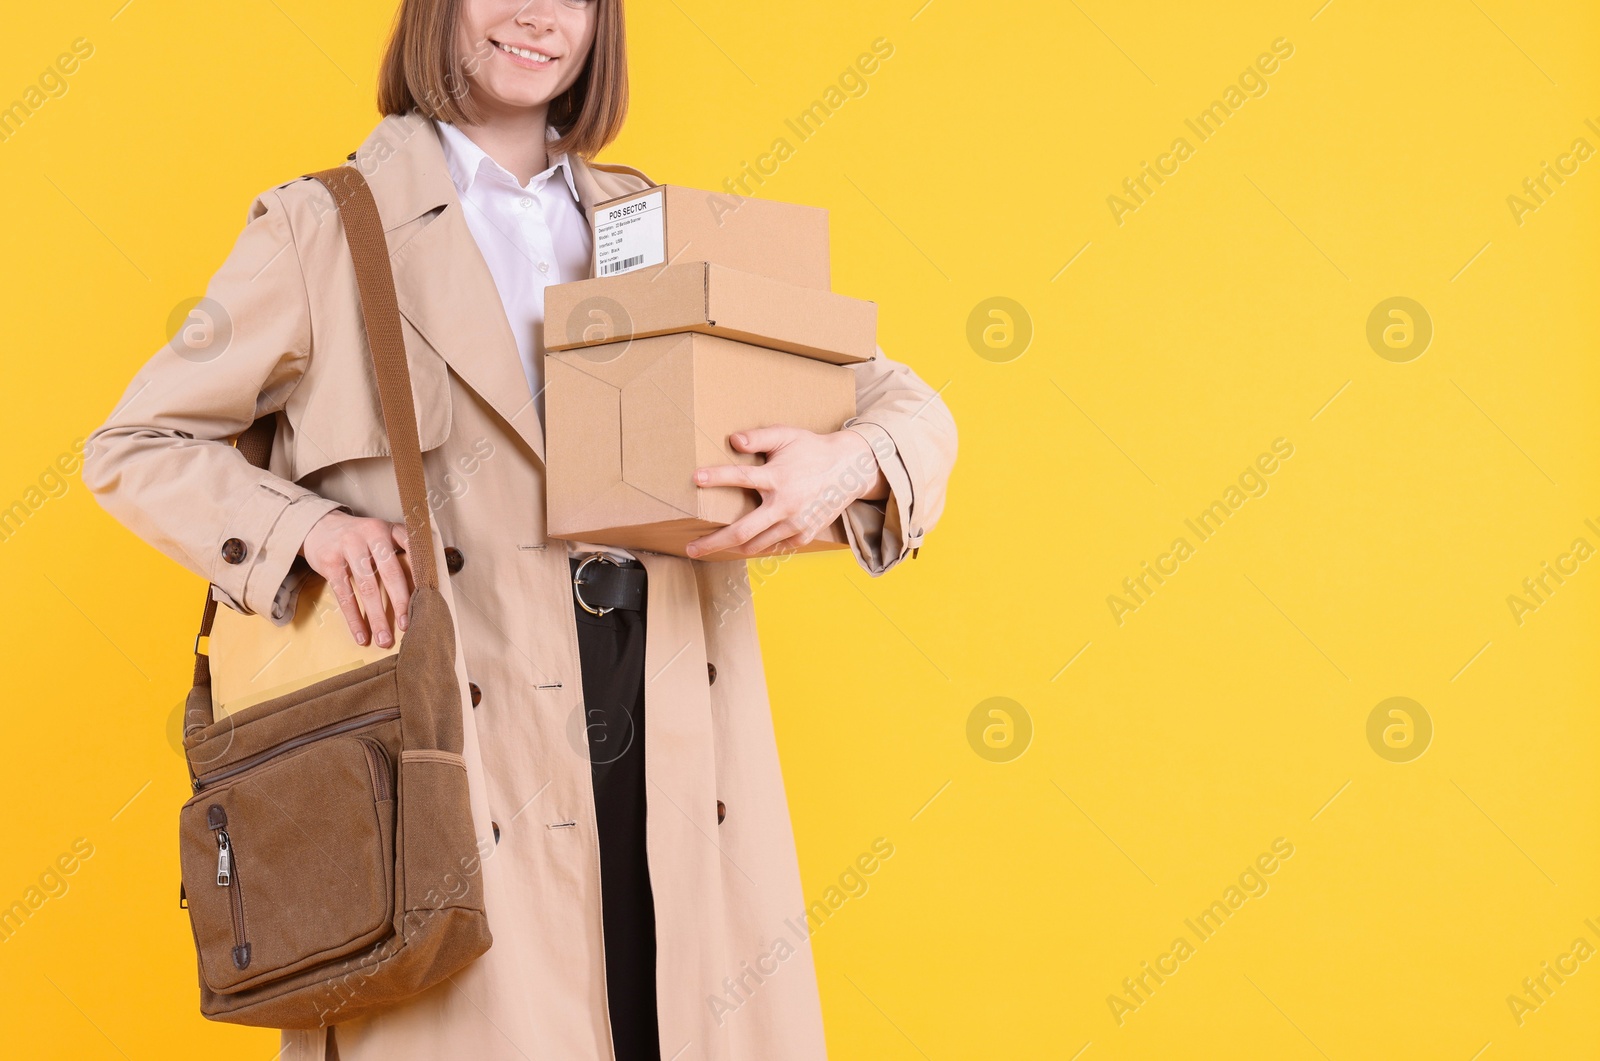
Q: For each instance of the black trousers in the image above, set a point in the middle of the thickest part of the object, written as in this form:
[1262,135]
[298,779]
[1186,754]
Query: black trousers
[611,653]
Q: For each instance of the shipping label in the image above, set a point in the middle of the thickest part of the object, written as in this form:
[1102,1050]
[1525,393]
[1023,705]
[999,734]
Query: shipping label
[631,235]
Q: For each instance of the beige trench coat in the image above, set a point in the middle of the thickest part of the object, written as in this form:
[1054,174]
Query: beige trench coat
[736,978]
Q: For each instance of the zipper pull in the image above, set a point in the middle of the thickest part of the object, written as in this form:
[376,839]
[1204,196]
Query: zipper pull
[224,859]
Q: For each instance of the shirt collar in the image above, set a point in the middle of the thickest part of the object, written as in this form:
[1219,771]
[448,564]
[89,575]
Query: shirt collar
[466,160]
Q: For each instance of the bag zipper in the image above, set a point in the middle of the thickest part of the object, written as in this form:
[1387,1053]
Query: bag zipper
[331,730]
[228,877]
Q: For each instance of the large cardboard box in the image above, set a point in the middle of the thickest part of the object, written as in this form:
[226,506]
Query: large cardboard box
[667,224]
[629,422]
[704,297]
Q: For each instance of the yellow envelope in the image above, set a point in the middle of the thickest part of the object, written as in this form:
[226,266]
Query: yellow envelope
[253,660]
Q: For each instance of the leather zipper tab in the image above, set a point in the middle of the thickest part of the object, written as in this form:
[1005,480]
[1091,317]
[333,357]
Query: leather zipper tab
[217,819]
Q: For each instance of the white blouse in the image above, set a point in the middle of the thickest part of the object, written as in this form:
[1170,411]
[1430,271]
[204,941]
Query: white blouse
[531,236]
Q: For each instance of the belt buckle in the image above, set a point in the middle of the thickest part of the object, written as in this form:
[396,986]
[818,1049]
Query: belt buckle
[578,580]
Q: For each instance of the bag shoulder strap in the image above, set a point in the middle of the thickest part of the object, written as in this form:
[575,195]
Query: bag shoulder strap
[380,314]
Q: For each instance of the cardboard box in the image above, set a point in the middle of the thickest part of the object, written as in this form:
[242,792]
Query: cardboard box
[628,424]
[667,224]
[715,300]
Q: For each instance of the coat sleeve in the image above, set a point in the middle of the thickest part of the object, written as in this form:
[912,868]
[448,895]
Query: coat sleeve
[913,435]
[163,464]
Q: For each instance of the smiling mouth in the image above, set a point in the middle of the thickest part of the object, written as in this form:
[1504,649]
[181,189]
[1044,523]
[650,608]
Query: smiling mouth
[537,58]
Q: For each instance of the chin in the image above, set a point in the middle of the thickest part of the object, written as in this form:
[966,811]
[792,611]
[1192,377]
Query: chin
[522,96]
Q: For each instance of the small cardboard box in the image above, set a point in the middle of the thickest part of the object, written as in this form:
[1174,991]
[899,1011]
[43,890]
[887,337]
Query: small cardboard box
[667,224]
[716,300]
[629,422]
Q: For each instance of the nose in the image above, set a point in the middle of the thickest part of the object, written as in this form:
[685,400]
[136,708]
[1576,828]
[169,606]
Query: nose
[537,14]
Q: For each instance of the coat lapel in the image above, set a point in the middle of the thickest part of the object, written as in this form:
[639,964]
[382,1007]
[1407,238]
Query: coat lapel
[442,283]
[447,293]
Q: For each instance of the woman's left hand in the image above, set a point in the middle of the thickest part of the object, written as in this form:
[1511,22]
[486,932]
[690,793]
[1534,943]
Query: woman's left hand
[807,481]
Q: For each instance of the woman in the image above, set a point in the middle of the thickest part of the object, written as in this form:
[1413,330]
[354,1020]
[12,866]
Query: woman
[599,747]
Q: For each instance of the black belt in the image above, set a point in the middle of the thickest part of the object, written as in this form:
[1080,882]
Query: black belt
[601,584]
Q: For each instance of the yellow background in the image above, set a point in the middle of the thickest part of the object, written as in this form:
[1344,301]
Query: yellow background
[1229,710]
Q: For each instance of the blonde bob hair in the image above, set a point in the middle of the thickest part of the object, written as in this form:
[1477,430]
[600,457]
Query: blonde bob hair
[422,71]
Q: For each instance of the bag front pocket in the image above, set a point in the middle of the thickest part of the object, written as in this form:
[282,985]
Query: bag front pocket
[290,862]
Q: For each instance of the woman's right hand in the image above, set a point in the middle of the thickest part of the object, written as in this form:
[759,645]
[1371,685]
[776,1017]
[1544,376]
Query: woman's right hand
[360,559]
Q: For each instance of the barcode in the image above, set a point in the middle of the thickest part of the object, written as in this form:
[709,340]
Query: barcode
[626,263]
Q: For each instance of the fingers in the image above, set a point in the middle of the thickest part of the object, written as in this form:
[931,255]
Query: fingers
[766,540]
[748,476]
[776,531]
[734,534]
[786,535]
[361,559]
[396,581]
[349,607]
[758,532]
[764,439]
[788,547]
[786,509]
[752,440]
[364,573]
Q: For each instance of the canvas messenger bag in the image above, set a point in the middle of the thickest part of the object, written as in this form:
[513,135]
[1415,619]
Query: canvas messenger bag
[329,860]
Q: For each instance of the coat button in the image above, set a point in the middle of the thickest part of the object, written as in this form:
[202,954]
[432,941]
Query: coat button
[711,671]
[722,811]
[453,560]
[477,693]
[233,551]
[496,827]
